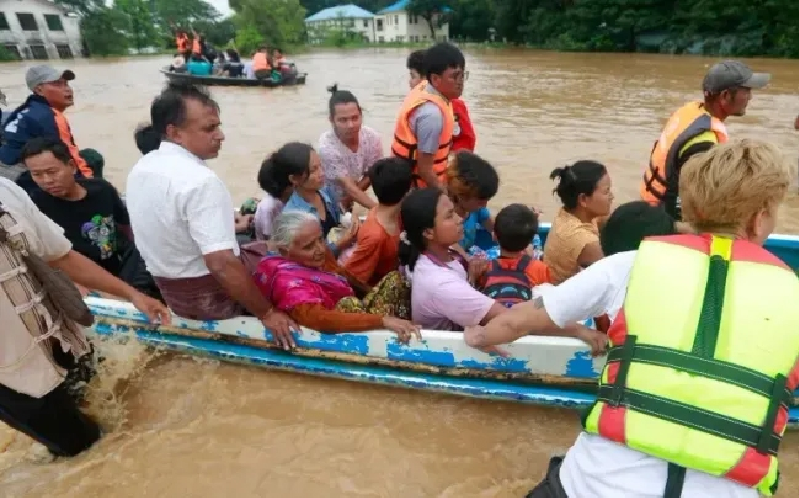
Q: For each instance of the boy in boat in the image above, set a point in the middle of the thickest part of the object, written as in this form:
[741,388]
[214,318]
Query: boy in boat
[510,278]
[686,406]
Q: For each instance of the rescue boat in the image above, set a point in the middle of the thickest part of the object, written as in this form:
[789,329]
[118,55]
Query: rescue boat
[551,371]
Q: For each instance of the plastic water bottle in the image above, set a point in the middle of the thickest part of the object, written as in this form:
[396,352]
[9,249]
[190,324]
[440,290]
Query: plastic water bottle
[538,249]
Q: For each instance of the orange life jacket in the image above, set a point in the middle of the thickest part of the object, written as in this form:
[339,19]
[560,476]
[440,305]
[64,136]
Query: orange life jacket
[661,179]
[182,42]
[260,61]
[405,142]
[195,46]
[65,134]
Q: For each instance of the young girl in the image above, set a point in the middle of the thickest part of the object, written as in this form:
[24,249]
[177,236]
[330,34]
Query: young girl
[441,296]
[573,240]
[471,183]
[273,177]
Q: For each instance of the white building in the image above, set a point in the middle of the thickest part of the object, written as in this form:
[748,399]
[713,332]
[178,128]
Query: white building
[39,29]
[350,21]
[394,24]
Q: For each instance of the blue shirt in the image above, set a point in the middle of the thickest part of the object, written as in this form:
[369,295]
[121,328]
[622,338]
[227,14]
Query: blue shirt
[470,225]
[33,119]
[198,68]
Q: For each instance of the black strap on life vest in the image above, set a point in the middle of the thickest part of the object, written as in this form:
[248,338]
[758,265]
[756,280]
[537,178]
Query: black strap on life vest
[700,361]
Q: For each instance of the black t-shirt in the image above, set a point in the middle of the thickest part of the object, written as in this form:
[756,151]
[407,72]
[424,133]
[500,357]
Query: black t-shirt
[91,223]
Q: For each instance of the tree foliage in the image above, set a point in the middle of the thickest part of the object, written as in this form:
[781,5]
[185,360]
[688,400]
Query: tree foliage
[278,23]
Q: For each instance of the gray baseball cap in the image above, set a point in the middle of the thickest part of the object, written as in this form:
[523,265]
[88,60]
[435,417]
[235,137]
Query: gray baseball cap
[730,74]
[46,74]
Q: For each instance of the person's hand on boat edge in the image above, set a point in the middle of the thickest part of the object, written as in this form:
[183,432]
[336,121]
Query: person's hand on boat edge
[153,309]
[595,339]
[404,329]
[282,328]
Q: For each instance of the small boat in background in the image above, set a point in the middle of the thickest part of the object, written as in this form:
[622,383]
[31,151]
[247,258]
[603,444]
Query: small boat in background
[552,371]
[234,81]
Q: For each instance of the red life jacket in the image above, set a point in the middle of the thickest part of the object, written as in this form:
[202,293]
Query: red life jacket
[508,287]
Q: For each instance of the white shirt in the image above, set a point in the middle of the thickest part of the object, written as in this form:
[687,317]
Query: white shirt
[179,211]
[596,467]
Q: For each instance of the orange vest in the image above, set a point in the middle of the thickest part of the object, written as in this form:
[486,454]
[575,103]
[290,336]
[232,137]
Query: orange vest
[195,46]
[182,43]
[405,142]
[65,134]
[661,179]
[260,61]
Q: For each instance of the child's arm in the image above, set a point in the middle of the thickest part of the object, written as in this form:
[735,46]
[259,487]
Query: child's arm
[488,224]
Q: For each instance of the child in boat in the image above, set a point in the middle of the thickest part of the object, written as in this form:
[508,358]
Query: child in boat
[377,247]
[305,281]
[510,278]
[273,177]
[471,183]
[441,296]
[584,188]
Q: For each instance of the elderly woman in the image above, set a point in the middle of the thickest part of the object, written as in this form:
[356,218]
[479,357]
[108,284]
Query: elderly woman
[703,344]
[305,281]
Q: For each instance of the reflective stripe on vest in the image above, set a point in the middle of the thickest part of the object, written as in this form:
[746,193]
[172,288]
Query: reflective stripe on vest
[260,61]
[661,180]
[65,134]
[405,143]
[703,358]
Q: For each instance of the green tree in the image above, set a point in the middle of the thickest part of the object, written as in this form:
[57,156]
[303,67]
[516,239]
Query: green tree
[104,32]
[429,10]
[183,13]
[141,28]
[278,23]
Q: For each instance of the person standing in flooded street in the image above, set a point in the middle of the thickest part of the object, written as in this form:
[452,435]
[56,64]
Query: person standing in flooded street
[686,407]
[183,218]
[42,335]
[696,127]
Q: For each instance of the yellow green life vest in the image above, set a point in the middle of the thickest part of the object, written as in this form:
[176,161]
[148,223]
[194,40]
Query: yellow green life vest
[703,358]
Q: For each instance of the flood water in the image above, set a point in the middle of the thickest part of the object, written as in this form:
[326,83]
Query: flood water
[180,427]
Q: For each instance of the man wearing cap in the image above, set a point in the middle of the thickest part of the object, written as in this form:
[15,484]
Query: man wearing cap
[695,128]
[42,116]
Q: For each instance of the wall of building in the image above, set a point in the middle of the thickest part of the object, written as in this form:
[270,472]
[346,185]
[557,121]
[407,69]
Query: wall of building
[24,29]
[363,27]
[402,27]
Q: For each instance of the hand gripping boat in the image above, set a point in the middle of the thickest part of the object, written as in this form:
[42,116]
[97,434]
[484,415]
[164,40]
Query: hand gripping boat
[554,371]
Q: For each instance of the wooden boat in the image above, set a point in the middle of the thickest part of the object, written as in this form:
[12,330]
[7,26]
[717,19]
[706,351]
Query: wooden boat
[554,371]
[227,81]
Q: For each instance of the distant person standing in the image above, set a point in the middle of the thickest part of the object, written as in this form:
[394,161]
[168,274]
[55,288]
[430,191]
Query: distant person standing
[261,66]
[424,129]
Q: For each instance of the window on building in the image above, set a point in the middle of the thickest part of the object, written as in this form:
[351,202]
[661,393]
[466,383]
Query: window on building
[396,20]
[53,22]
[380,25]
[4,22]
[39,52]
[13,50]
[64,51]
[399,39]
[27,22]
[366,23]
[381,39]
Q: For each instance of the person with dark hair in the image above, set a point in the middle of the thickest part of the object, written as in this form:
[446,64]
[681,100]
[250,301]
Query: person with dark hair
[147,139]
[377,247]
[299,165]
[183,218]
[235,67]
[349,150]
[441,296]
[424,128]
[584,189]
[471,183]
[463,134]
[511,277]
[42,116]
[261,65]
[631,223]
[90,211]
[695,128]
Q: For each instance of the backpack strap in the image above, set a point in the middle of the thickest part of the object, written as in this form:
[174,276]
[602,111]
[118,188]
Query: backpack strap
[523,263]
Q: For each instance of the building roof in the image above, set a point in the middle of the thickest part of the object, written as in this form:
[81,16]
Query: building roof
[346,11]
[402,5]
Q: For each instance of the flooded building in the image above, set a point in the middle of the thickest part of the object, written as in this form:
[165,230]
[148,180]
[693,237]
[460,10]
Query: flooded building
[349,22]
[38,29]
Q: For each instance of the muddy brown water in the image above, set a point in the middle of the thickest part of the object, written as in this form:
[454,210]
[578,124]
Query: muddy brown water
[182,427]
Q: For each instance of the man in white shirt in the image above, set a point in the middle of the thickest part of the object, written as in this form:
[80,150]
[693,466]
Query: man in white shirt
[182,218]
[718,207]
